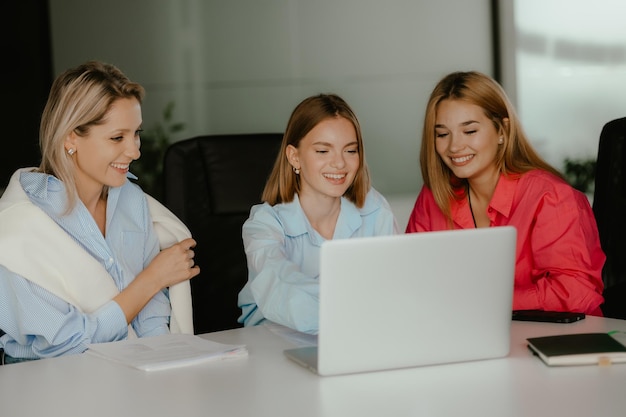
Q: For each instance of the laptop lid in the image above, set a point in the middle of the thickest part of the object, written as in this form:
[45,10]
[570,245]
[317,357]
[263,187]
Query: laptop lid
[415,299]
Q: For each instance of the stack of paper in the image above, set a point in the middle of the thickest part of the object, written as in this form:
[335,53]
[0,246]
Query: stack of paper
[166,351]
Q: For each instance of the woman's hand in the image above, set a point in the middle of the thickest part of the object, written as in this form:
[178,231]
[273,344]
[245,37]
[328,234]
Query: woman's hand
[174,264]
[171,266]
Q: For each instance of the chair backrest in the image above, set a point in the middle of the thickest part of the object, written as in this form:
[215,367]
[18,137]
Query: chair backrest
[609,207]
[210,183]
[1,350]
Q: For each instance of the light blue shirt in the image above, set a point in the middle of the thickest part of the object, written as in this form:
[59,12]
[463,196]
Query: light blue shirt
[283,250]
[40,324]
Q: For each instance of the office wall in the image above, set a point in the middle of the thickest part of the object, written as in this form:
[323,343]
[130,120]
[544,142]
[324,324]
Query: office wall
[242,65]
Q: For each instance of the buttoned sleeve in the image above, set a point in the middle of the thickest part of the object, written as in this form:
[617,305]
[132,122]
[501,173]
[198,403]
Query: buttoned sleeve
[154,317]
[561,239]
[40,324]
[278,288]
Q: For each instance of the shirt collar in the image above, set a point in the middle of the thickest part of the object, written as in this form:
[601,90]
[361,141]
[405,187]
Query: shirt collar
[501,201]
[295,222]
[40,186]
[49,190]
[461,213]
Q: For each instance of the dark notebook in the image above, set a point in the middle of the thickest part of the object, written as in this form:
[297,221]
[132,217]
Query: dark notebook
[578,349]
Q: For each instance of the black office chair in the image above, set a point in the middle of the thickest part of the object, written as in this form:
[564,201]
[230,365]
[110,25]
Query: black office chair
[210,183]
[1,350]
[609,207]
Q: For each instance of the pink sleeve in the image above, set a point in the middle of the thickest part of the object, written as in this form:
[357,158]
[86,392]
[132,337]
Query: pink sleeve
[425,213]
[567,257]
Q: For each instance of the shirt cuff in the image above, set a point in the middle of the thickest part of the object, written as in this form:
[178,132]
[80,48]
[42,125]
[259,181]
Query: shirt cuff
[110,323]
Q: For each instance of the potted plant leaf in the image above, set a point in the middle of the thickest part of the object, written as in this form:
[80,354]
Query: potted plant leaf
[154,141]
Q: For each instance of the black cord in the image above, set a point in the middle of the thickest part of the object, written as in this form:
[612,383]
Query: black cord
[469,200]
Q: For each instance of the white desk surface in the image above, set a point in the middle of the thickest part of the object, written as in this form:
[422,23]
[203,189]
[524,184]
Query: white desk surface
[268,384]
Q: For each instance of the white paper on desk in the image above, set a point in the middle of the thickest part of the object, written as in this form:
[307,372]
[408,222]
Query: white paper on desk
[165,351]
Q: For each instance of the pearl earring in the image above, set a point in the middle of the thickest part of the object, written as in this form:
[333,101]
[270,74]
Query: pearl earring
[501,141]
[296,170]
[71,151]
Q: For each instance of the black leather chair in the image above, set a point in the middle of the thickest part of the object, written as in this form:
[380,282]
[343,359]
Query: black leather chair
[609,207]
[1,350]
[210,183]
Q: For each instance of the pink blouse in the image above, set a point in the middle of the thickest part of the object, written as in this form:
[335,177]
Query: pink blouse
[559,259]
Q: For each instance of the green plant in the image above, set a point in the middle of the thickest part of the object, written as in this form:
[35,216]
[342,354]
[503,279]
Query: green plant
[154,141]
[581,173]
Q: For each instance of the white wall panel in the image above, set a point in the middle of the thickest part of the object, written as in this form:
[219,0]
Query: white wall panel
[243,65]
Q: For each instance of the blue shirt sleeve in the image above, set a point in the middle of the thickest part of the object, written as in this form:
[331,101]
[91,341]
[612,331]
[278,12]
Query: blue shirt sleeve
[40,324]
[277,288]
[153,319]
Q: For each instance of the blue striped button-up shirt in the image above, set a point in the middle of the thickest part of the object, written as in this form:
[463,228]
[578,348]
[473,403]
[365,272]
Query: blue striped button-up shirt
[40,324]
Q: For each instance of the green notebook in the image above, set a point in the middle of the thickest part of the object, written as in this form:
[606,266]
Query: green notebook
[578,349]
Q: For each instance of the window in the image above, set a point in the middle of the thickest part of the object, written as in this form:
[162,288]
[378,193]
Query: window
[564,64]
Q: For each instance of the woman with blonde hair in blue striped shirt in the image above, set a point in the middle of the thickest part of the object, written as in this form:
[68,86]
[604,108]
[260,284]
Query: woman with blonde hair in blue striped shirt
[85,256]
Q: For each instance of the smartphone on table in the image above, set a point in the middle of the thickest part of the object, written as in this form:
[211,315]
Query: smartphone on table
[547,316]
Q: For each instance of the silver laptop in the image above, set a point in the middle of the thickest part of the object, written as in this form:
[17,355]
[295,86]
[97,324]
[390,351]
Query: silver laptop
[411,300]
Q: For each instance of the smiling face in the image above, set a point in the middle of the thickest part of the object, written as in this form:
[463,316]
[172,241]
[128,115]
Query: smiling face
[327,157]
[466,140]
[103,156]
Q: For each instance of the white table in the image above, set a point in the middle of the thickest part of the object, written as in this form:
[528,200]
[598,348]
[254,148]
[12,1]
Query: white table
[268,384]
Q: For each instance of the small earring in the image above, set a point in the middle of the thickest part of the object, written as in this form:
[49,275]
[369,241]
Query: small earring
[501,141]
[71,151]
[296,170]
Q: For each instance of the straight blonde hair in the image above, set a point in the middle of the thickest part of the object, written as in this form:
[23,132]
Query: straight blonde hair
[515,156]
[79,98]
[283,183]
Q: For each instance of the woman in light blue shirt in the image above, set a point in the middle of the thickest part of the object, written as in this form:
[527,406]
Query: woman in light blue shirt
[319,189]
[80,258]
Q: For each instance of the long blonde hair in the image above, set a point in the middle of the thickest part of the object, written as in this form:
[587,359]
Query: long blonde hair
[515,156]
[283,183]
[79,99]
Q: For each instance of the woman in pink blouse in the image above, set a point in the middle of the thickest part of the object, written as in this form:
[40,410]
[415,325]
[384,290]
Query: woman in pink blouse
[480,170]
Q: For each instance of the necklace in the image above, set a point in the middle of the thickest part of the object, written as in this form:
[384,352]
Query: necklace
[469,200]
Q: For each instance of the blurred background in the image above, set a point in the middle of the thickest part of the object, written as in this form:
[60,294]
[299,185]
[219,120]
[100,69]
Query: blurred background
[241,66]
